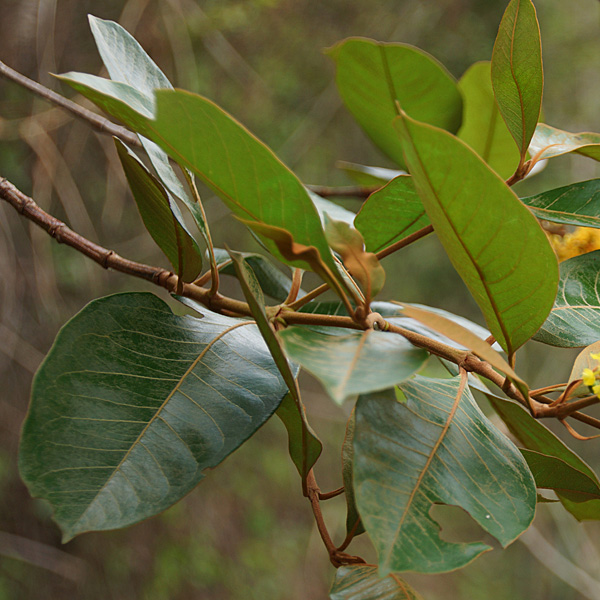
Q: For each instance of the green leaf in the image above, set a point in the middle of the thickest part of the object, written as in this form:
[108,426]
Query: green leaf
[363,266]
[362,582]
[303,444]
[272,281]
[127,62]
[372,76]
[124,59]
[552,473]
[161,216]
[438,447]
[534,436]
[310,446]
[353,522]
[390,214]
[494,242]
[366,175]
[517,73]
[576,204]
[549,142]
[245,173]
[574,321]
[349,362]
[133,404]
[483,127]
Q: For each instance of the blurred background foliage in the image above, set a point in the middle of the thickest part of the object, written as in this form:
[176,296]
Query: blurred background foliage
[246,532]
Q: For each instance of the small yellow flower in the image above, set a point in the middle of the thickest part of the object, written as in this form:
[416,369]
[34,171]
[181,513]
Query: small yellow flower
[596,390]
[595,356]
[589,378]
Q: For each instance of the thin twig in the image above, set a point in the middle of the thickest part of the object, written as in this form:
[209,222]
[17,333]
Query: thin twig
[333,494]
[96,121]
[169,281]
[354,191]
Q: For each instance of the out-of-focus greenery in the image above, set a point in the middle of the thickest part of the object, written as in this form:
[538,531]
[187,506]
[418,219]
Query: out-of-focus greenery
[250,533]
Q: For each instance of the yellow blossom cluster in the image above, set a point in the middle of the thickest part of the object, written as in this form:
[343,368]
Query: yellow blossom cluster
[580,241]
[590,377]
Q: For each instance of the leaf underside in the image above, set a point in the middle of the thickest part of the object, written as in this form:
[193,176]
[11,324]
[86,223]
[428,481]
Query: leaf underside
[437,447]
[133,403]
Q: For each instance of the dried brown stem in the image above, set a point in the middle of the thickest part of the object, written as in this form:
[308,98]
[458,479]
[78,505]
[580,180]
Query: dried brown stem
[96,121]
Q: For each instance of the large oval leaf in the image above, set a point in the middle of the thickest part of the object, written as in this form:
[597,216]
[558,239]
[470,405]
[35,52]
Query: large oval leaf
[549,142]
[390,214]
[574,320]
[372,76]
[517,74]
[362,582]
[350,363]
[133,404]
[576,204]
[438,447]
[483,127]
[494,242]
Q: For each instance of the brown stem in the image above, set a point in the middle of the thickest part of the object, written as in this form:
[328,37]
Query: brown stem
[336,557]
[357,191]
[96,121]
[409,239]
[169,281]
[333,494]
[413,237]
[349,536]
[109,259]
[295,287]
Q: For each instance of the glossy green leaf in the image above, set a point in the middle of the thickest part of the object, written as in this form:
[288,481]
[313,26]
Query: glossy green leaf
[161,216]
[133,404]
[534,436]
[517,73]
[574,320]
[552,473]
[353,522]
[362,582]
[494,242]
[371,76]
[272,281]
[438,447]
[390,214]
[482,126]
[309,445]
[549,142]
[127,62]
[576,204]
[367,175]
[349,362]
[245,173]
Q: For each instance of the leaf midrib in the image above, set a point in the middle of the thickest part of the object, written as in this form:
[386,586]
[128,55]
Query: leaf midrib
[137,441]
